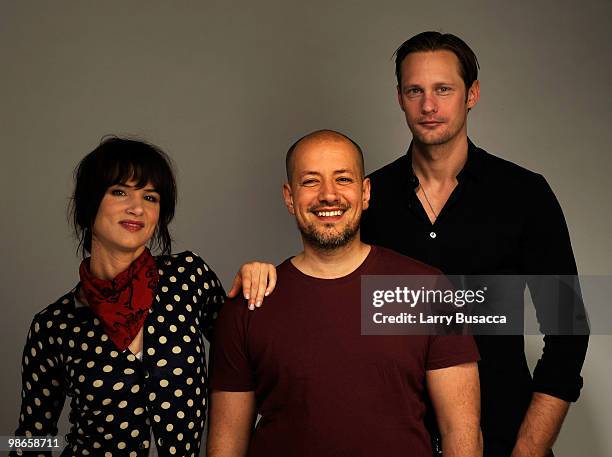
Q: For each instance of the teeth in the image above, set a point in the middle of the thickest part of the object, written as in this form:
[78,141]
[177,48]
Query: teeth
[329,213]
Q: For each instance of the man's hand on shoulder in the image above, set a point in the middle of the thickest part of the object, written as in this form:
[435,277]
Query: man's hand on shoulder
[256,280]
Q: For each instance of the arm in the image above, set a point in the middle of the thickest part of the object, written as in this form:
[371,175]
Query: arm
[213,295]
[232,416]
[540,426]
[546,250]
[455,394]
[42,391]
[256,280]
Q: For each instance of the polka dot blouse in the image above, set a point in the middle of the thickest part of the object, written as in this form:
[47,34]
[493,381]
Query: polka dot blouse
[116,400]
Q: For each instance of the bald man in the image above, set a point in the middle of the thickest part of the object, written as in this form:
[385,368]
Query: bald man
[301,363]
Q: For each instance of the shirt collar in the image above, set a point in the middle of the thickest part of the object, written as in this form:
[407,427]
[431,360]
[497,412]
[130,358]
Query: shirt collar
[472,167]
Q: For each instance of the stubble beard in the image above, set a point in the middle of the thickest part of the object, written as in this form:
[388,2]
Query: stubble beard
[328,241]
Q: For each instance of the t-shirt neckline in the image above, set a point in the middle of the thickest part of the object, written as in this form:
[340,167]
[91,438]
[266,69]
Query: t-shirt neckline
[355,274]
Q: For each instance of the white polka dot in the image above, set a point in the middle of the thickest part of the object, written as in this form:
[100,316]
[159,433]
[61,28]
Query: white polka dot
[107,368]
[164,289]
[98,350]
[90,364]
[106,401]
[177,298]
[180,414]
[189,259]
[118,386]
[193,278]
[160,318]
[121,445]
[185,287]
[156,418]
[122,404]
[150,351]
[124,425]
[176,350]
[128,371]
[173,328]
[138,411]
[164,383]
[151,329]
[152,396]
[112,354]
[172,279]
[163,339]
[165,405]
[178,393]
[135,388]
[177,371]
[98,383]
[161,363]
[109,418]
[134,433]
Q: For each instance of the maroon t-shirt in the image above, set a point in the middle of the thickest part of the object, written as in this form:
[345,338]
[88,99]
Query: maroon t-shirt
[322,388]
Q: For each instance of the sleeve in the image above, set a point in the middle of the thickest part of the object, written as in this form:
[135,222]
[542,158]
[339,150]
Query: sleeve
[42,384]
[448,350]
[212,293]
[546,256]
[230,367]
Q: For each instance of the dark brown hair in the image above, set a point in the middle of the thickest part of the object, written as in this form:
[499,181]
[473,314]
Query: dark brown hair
[436,41]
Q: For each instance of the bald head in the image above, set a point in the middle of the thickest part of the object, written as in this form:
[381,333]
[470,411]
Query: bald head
[319,138]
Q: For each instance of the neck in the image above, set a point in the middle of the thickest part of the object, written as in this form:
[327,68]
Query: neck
[107,264]
[331,264]
[439,163]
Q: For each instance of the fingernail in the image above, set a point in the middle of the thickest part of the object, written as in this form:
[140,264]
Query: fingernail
[258,304]
[246,296]
[251,307]
[266,293]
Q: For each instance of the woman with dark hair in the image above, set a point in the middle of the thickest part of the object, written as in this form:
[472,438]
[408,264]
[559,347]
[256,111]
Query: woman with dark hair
[127,343]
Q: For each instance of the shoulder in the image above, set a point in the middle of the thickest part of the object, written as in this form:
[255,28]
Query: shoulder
[56,316]
[182,262]
[392,263]
[394,169]
[497,168]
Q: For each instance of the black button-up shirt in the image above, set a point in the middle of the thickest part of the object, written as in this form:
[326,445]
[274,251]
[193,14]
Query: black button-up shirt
[500,219]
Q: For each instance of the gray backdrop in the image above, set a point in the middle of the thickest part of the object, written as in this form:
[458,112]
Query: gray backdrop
[226,87]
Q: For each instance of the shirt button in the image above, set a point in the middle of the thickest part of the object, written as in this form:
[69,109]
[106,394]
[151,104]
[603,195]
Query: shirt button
[432,234]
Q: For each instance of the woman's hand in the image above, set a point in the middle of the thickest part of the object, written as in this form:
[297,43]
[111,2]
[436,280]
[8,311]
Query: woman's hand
[256,280]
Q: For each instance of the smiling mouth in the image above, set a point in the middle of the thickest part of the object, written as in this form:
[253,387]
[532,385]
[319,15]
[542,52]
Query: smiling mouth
[334,213]
[132,226]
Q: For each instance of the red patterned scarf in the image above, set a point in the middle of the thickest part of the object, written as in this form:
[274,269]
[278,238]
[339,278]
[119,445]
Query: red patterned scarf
[122,304]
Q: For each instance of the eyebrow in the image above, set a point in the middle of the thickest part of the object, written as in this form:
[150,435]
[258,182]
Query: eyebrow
[148,189]
[336,172]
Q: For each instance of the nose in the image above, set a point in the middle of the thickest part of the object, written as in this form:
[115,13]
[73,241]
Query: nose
[429,103]
[328,191]
[135,205]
